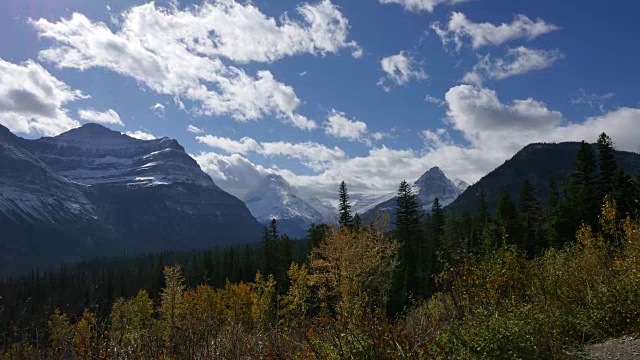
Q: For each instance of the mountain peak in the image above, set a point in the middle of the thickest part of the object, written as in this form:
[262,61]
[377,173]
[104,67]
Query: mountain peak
[431,174]
[94,132]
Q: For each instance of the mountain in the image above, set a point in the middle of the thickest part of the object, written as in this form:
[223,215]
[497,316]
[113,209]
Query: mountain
[430,185]
[95,191]
[274,198]
[460,184]
[536,162]
[361,203]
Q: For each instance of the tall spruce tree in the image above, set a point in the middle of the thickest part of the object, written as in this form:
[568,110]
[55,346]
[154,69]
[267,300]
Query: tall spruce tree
[607,164]
[409,234]
[507,217]
[344,206]
[531,218]
[357,222]
[585,164]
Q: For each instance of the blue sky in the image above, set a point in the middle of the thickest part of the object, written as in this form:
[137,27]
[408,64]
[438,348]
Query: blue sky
[369,91]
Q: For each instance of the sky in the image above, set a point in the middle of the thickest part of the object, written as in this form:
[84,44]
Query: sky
[371,92]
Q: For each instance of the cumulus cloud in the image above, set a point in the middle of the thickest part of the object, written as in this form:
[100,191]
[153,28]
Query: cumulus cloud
[33,101]
[340,126]
[493,130]
[399,69]
[518,61]
[422,5]
[313,155]
[488,34]
[141,135]
[179,52]
[233,173]
[194,129]
[108,117]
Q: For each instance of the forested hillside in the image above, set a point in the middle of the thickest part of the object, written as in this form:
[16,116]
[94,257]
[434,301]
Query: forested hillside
[523,282]
[539,163]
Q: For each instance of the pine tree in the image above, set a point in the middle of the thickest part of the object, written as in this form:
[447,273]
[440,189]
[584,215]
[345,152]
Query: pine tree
[531,217]
[408,232]
[554,195]
[607,162]
[435,231]
[585,164]
[507,217]
[624,193]
[269,247]
[483,207]
[315,235]
[357,222]
[345,206]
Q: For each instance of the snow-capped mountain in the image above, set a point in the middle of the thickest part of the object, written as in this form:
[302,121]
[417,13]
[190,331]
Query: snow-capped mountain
[93,154]
[434,183]
[93,191]
[274,198]
[461,185]
[430,185]
[361,203]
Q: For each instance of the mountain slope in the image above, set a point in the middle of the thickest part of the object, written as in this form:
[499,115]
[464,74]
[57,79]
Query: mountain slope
[274,198]
[44,218]
[144,195]
[535,162]
[430,185]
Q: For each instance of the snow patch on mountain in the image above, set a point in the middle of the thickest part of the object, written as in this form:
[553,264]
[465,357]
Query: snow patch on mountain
[93,154]
[274,198]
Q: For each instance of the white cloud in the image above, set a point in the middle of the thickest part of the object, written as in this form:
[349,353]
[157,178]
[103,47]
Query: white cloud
[158,108]
[194,129]
[108,117]
[340,126]
[517,61]
[487,34]
[434,100]
[179,53]
[141,135]
[493,131]
[313,155]
[243,146]
[593,100]
[422,5]
[32,100]
[400,69]
[234,173]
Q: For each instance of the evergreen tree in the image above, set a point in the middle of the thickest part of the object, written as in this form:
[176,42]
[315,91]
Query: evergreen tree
[357,222]
[554,195]
[315,235]
[344,206]
[531,218]
[585,164]
[408,232]
[623,192]
[607,162]
[507,217]
[269,248]
[431,245]
[483,207]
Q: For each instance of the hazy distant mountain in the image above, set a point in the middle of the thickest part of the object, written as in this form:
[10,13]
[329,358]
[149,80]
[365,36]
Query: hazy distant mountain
[535,162]
[95,191]
[274,198]
[430,185]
